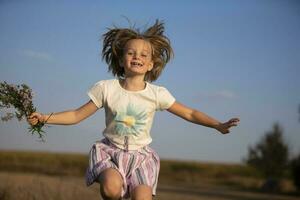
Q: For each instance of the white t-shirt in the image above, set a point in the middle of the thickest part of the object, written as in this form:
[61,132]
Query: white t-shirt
[129,114]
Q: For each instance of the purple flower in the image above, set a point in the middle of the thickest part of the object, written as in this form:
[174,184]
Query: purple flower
[19,97]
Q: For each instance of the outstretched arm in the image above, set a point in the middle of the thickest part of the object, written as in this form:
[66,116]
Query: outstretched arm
[67,117]
[198,117]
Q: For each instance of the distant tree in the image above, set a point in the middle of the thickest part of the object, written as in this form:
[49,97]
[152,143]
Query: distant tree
[295,166]
[270,157]
[295,169]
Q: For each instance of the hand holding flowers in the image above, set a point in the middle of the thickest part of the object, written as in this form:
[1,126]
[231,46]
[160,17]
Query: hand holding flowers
[35,118]
[19,97]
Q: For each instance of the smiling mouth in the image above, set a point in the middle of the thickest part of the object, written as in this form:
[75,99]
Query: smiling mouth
[136,64]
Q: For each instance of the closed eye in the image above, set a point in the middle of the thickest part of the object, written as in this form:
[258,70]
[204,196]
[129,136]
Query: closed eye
[129,53]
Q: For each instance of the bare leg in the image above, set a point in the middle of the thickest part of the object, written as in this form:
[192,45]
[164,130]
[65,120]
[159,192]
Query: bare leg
[142,192]
[111,183]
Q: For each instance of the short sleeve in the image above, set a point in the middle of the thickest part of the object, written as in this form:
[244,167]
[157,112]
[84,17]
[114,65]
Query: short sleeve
[96,93]
[165,99]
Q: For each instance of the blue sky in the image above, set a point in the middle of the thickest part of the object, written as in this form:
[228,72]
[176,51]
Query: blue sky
[232,59]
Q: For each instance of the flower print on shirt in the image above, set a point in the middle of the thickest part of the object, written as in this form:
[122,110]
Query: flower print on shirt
[130,122]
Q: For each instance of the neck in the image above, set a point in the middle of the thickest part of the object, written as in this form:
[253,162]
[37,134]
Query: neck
[133,83]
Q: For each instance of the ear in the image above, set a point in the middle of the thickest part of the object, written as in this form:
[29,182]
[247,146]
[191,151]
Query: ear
[150,66]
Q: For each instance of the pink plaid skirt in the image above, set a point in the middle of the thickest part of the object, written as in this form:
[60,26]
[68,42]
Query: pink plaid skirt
[138,167]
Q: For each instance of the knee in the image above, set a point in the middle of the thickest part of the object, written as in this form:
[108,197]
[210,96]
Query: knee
[110,184]
[142,192]
[111,189]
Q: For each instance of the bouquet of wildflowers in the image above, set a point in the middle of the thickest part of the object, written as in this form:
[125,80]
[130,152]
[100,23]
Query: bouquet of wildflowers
[20,98]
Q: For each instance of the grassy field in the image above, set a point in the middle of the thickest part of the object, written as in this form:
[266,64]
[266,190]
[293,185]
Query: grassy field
[38,175]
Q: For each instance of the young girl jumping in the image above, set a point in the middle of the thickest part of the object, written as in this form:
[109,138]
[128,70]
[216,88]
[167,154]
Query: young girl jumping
[122,162]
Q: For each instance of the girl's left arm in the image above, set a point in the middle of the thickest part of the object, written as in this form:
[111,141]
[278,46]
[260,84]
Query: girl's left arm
[201,118]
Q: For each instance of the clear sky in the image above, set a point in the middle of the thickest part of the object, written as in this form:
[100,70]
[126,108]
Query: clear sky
[232,59]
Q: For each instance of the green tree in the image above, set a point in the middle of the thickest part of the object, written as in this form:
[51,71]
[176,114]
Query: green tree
[270,155]
[295,169]
[295,165]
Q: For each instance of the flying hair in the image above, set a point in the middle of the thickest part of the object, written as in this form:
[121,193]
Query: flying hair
[114,42]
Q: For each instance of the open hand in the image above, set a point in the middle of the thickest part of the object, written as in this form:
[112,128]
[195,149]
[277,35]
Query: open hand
[224,127]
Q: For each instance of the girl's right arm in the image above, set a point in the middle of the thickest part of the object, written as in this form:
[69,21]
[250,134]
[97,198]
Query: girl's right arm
[65,118]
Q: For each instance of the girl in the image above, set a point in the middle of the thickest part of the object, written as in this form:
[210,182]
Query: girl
[123,163]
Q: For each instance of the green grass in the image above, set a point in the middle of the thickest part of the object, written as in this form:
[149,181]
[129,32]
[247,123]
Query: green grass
[43,162]
[213,170]
[75,165]
[172,172]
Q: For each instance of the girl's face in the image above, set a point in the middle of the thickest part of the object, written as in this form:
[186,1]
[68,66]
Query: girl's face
[137,58]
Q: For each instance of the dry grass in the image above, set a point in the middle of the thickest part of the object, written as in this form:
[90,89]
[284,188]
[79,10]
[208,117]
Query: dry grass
[49,176]
[75,165]
[28,186]
[43,162]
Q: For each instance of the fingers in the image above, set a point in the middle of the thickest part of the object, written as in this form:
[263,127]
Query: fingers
[33,121]
[233,121]
[34,118]
[226,126]
[35,115]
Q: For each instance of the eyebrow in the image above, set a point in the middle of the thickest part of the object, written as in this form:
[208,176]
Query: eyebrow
[144,50]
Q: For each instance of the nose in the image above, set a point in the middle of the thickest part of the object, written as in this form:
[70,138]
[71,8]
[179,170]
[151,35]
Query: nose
[136,56]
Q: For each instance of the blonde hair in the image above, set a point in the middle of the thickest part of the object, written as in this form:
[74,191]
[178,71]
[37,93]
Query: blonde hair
[114,42]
